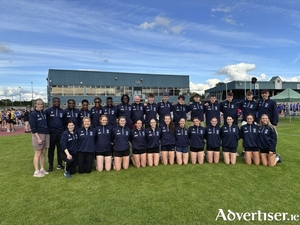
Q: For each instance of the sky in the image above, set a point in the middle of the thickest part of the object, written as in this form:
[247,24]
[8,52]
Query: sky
[210,40]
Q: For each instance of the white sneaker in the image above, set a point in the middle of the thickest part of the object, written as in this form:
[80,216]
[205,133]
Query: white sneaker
[44,172]
[38,174]
[8,131]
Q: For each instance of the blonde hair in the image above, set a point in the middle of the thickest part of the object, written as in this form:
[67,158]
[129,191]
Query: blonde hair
[268,124]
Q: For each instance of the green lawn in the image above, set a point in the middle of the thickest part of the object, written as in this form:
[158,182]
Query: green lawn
[190,194]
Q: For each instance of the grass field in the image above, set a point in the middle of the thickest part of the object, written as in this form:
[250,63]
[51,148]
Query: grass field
[190,194]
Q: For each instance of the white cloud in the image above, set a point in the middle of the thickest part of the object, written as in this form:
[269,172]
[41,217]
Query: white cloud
[147,25]
[263,76]
[222,8]
[237,71]
[200,88]
[13,93]
[5,49]
[229,19]
[163,25]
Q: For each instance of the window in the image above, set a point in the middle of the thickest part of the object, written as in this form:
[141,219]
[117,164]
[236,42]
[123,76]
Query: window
[90,90]
[68,91]
[79,90]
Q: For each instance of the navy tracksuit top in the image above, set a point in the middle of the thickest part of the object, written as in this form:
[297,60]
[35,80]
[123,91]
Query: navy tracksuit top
[111,113]
[138,139]
[38,122]
[180,111]
[164,108]
[120,137]
[95,116]
[212,110]
[212,136]
[196,136]
[103,142]
[249,134]
[181,137]
[150,112]
[268,107]
[55,119]
[167,137]
[86,139]
[267,138]
[229,109]
[69,141]
[153,137]
[125,110]
[197,110]
[229,136]
[137,112]
[71,114]
[248,107]
[82,114]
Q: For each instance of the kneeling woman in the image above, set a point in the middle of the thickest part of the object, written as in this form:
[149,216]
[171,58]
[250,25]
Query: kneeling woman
[213,141]
[153,135]
[68,143]
[167,140]
[182,143]
[249,134]
[230,135]
[103,145]
[86,146]
[196,135]
[139,145]
[267,140]
[120,138]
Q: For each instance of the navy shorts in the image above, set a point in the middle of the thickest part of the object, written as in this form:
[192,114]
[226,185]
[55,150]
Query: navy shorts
[139,151]
[231,150]
[153,150]
[196,149]
[266,151]
[121,153]
[182,149]
[213,149]
[107,153]
[167,148]
[251,149]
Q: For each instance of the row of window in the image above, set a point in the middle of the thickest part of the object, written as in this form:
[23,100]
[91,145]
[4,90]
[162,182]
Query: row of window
[114,91]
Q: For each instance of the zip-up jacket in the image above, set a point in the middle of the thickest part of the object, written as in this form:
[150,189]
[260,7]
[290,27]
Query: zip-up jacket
[268,107]
[197,110]
[125,110]
[212,136]
[229,109]
[71,114]
[111,113]
[120,138]
[69,141]
[103,143]
[137,112]
[55,119]
[153,137]
[181,136]
[150,112]
[249,134]
[167,137]
[95,115]
[82,114]
[229,136]
[267,138]
[38,122]
[212,110]
[180,111]
[248,107]
[196,136]
[138,139]
[86,139]
[164,109]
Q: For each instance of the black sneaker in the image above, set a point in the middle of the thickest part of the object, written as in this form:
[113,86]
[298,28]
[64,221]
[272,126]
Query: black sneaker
[242,154]
[50,169]
[59,167]
[278,158]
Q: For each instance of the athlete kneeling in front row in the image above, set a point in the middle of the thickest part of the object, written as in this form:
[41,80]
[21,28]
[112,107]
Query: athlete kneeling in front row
[196,135]
[213,141]
[182,143]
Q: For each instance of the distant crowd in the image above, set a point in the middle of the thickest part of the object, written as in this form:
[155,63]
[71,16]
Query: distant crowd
[112,136]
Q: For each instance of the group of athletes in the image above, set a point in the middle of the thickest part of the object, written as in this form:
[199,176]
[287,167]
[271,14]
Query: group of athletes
[107,135]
